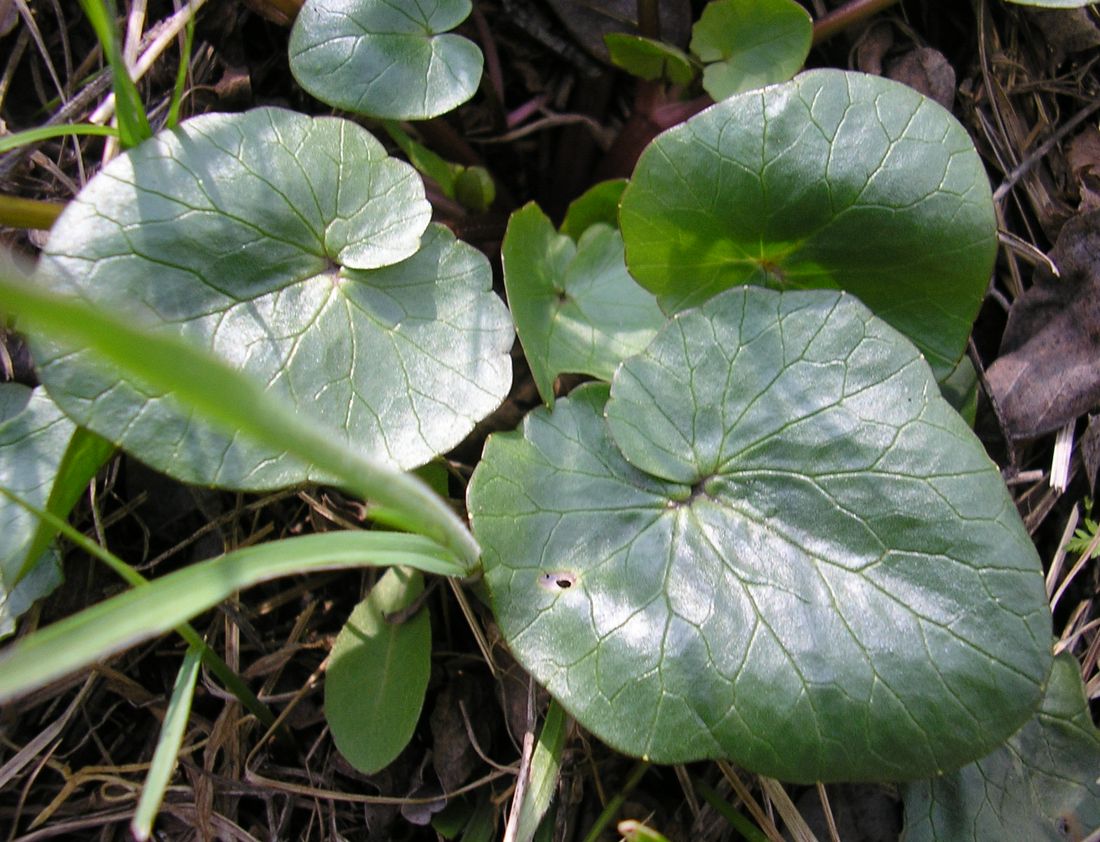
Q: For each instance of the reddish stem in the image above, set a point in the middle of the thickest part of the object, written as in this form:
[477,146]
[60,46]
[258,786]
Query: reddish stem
[848,15]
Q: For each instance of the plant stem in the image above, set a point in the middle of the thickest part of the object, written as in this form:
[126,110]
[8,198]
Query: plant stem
[616,803]
[847,15]
[649,19]
[28,213]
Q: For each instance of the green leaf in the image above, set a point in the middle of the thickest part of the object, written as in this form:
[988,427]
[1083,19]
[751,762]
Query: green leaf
[34,436]
[1041,785]
[835,180]
[169,741]
[649,59]
[378,674]
[150,610]
[291,247]
[748,44]
[575,306]
[385,59]
[781,547]
[599,203]
[232,401]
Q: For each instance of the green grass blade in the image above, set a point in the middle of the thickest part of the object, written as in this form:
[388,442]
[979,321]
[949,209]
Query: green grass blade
[83,458]
[181,74]
[133,124]
[13,141]
[232,682]
[152,609]
[230,399]
[168,746]
[545,768]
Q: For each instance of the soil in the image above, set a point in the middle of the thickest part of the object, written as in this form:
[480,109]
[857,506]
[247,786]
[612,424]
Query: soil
[552,118]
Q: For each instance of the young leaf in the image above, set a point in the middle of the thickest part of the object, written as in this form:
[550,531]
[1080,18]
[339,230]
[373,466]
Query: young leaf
[781,547]
[150,610]
[575,306]
[599,203]
[1041,785]
[649,59]
[378,673]
[832,180]
[385,59]
[34,436]
[750,43]
[292,247]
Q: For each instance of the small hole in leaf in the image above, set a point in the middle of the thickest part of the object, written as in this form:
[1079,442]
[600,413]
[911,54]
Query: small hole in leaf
[557,581]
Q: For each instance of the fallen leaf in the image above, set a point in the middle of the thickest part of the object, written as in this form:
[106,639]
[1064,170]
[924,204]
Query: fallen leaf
[1048,373]
[1083,155]
[1066,31]
[926,70]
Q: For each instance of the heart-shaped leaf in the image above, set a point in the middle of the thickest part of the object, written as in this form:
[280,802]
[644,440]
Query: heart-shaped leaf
[34,435]
[782,547]
[575,306]
[835,180]
[649,59]
[385,59]
[750,43]
[288,245]
[378,673]
[1041,785]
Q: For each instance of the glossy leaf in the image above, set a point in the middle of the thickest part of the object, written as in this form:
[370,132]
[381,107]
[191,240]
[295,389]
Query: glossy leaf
[781,547]
[34,436]
[649,59]
[232,401]
[575,306]
[291,247]
[1041,785]
[835,180]
[385,59]
[748,44]
[378,673]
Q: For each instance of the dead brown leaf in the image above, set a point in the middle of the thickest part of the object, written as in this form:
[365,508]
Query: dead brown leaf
[1048,373]
[1083,156]
[926,70]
